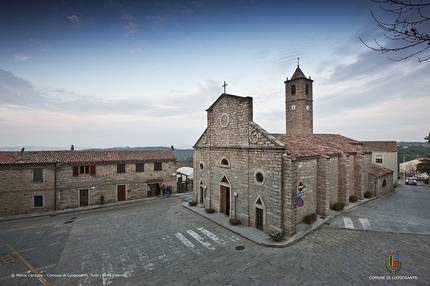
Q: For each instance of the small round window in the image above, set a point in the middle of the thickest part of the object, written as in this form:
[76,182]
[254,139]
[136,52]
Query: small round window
[260,177]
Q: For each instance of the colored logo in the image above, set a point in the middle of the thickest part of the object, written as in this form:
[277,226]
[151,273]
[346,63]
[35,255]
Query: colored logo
[393,264]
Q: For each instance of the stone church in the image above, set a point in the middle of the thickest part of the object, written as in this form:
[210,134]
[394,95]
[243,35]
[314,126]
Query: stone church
[271,181]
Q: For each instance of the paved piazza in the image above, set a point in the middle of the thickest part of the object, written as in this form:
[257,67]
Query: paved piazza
[159,242]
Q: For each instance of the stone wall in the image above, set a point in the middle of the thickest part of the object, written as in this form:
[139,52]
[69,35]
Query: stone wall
[307,173]
[17,187]
[378,187]
[106,180]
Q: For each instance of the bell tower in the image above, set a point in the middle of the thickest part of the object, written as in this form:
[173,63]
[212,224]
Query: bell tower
[298,104]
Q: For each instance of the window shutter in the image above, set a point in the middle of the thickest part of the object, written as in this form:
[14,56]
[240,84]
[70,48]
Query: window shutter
[75,171]
[93,170]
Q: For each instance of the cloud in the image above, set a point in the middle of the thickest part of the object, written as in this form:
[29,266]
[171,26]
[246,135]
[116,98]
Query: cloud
[132,27]
[16,93]
[134,50]
[74,19]
[39,45]
[22,58]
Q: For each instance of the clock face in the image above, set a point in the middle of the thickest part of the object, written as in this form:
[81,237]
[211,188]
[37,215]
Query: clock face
[307,107]
[293,107]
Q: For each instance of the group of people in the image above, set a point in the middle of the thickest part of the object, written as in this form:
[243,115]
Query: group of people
[167,191]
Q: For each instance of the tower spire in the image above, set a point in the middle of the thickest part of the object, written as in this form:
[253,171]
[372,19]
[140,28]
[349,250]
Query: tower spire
[298,62]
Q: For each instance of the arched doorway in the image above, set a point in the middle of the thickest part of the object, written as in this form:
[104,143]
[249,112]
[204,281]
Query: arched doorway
[225,196]
[201,193]
[259,215]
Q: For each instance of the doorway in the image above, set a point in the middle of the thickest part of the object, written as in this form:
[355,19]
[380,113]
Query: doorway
[153,190]
[201,195]
[225,200]
[259,218]
[121,193]
[83,198]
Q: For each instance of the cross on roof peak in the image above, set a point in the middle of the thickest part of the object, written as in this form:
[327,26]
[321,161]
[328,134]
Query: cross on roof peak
[224,86]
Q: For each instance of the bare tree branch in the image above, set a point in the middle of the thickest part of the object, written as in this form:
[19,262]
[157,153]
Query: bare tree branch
[410,27]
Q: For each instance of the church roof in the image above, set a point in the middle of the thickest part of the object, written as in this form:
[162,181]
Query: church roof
[315,145]
[74,157]
[298,74]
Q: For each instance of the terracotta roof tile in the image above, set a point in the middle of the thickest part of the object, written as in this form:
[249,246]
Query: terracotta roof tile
[379,171]
[387,146]
[314,145]
[73,157]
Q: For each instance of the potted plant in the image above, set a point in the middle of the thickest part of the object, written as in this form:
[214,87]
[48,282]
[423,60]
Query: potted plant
[276,235]
[353,199]
[192,203]
[338,206]
[367,194]
[209,210]
[310,218]
[234,221]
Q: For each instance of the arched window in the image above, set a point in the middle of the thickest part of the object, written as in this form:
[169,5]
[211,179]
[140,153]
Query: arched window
[224,162]
[293,89]
[307,89]
[384,183]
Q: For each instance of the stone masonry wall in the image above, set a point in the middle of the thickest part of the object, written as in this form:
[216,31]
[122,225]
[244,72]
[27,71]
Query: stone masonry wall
[324,194]
[307,173]
[362,166]
[17,189]
[106,180]
[333,179]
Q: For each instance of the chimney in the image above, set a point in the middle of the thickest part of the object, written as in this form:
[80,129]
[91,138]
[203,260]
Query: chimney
[72,148]
[22,153]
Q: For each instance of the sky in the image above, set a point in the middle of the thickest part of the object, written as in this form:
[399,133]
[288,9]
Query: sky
[142,73]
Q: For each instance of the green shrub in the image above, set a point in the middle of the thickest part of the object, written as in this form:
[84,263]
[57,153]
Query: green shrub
[367,194]
[338,206]
[310,216]
[353,198]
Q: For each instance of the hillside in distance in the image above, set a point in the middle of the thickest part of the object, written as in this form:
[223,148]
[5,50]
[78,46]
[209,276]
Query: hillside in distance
[408,151]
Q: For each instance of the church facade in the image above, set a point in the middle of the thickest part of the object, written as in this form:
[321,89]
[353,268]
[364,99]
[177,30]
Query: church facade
[271,181]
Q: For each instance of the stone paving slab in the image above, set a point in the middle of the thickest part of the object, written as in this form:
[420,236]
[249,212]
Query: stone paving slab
[259,237]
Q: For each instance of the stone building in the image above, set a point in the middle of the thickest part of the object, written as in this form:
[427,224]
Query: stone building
[381,180]
[384,154]
[39,181]
[271,181]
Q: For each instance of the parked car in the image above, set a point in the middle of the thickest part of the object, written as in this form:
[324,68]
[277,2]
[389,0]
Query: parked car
[410,181]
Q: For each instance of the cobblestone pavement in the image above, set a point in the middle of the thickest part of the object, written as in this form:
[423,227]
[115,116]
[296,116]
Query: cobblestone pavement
[162,243]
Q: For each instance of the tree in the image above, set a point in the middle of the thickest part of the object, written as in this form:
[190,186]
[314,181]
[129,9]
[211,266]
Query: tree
[410,28]
[424,166]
